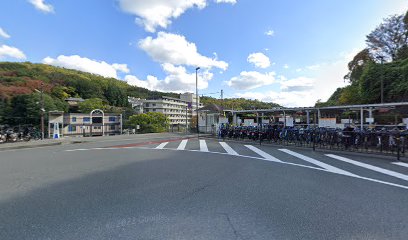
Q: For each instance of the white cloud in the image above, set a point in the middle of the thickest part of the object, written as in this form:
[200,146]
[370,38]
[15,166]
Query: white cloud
[121,67]
[270,33]
[251,80]
[226,1]
[259,60]
[87,65]
[42,6]
[286,99]
[305,91]
[4,34]
[286,66]
[12,52]
[177,80]
[175,49]
[313,67]
[299,84]
[152,14]
[158,13]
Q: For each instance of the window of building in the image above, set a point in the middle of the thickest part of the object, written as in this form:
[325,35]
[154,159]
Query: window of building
[147,105]
[73,119]
[154,104]
[71,128]
[154,109]
[112,119]
[87,119]
[112,127]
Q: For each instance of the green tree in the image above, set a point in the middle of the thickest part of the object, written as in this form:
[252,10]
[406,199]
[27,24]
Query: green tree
[91,104]
[388,38]
[149,122]
[25,109]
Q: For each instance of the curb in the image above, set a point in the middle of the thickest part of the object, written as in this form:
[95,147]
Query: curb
[30,146]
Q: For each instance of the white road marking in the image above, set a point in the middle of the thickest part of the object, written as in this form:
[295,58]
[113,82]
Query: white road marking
[162,145]
[203,146]
[263,154]
[298,165]
[401,164]
[74,150]
[371,167]
[228,149]
[259,158]
[317,163]
[182,145]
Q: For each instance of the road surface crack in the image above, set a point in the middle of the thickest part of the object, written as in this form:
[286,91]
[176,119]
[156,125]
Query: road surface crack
[197,190]
[234,230]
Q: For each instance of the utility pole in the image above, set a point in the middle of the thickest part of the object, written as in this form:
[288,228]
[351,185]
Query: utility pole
[381,58]
[222,98]
[42,110]
[187,118]
[198,130]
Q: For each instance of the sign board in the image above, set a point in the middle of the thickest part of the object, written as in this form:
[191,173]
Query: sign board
[369,120]
[297,120]
[289,121]
[265,121]
[405,121]
[56,134]
[327,122]
[223,120]
[249,122]
[137,127]
[346,121]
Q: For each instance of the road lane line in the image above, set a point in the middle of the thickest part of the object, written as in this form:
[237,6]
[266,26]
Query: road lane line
[162,145]
[182,145]
[401,164]
[74,150]
[203,146]
[263,154]
[371,167]
[228,149]
[317,163]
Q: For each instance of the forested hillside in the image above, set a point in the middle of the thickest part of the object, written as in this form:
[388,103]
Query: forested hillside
[385,59]
[238,103]
[21,83]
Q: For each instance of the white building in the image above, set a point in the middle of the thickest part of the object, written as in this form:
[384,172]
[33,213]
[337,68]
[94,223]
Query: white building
[178,110]
[85,124]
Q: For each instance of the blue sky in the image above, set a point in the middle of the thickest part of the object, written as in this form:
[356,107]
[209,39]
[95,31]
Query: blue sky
[292,52]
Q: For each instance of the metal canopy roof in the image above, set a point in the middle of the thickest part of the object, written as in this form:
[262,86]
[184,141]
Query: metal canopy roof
[364,106]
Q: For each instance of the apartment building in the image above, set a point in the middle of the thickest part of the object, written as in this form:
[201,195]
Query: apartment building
[175,109]
[178,110]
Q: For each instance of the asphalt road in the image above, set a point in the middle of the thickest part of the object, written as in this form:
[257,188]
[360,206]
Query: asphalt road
[173,189]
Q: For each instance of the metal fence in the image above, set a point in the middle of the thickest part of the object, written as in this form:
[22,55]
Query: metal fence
[394,143]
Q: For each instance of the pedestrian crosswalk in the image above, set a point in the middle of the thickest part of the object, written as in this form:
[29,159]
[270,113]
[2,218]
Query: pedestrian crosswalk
[324,162]
[316,162]
[388,173]
[228,149]
[263,154]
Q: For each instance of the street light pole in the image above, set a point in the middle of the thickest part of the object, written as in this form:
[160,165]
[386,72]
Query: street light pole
[198,130]
[42,110]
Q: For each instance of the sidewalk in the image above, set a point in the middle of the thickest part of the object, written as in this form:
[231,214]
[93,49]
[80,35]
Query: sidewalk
[75,140]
